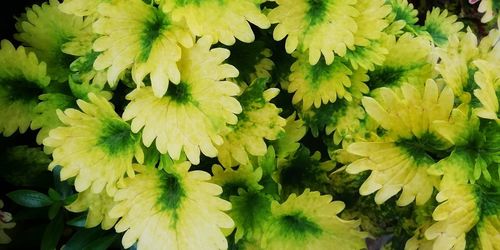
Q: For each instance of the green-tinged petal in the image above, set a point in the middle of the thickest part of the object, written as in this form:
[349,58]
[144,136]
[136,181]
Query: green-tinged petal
[408,61]
[310,221]
[98,206]
[22,79]
[439,25]
[315,27]
[173,208]
[489,8]
[46,116]
[150,43]
[259,120]
[488,79]
[192,116]
[222,20]
[403,15]
[45,29]
[96,146]
[302,171]
[231,180]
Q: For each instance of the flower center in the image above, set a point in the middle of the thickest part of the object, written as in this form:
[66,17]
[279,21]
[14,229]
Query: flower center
[317,11]
[116,137]
[298,226]
[20,89]
[171,195]
[179,93]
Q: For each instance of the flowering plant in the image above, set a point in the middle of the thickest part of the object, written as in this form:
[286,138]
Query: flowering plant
[251,124]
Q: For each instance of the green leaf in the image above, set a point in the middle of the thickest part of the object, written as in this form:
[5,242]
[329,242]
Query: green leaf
[52,233]
[101,243]
[83,238]
[54,195]
[62,187]
[78,221]
[30,198]
[54,209]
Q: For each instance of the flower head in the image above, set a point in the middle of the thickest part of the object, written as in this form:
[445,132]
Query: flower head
[96,146]
[22,79]
[192,115]
[138,35]
[46,29]
[309,221]
[440,26]
[401,159]
[315,27]
[223,20]
[173,208]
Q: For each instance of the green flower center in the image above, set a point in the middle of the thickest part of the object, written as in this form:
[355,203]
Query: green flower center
[437,34]
[172,194]
[321,72]
[317,11]
[116,137]
[179,93]
[424,150]
[386,77]
[298,226]
[20,89]
[303,171]
[153,30]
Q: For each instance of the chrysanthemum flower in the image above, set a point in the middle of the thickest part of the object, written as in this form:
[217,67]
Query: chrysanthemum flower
[401,160]
[408,61]
[259,120]
[174,209]
[45,29]
[230,179]
[223,20]
[22,80]
[488,79]
[138,35]
[191,116]
[489,8]
[440,26]
[98,206]
[81,7]
[309,221]
[96,146]
[287,144]
[320,83]
[302,171]
[315,27]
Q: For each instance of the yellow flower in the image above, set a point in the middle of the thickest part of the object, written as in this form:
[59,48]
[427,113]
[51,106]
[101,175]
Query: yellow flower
[98,206]
[172,209]
[192,115]
[259,120]
[316,27]
[440,26]
[310,221]
[22,80]
[96,146]
[320,83]
[138,35]
[46,29]
[401,160]
[223,20]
